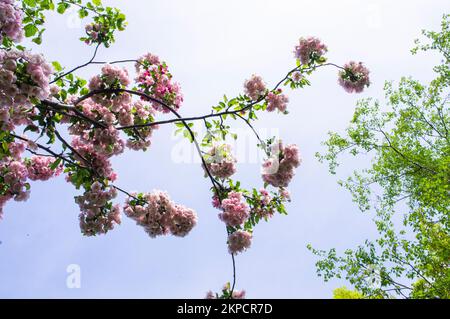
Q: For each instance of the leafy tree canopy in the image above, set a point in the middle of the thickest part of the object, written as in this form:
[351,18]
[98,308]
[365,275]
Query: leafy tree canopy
[407,185]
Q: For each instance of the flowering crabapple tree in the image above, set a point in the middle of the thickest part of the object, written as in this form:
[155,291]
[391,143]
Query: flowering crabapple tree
[113,111]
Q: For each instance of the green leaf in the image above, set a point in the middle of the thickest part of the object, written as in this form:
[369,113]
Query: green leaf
[55,164]
[30,30]
[37,40]
[62,7]
[57,66]
[30,3]
[82,13]
[32,128]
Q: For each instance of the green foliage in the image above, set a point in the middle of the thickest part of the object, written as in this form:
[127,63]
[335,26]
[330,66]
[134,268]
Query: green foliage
[34,14]
[344,293]
[408,180]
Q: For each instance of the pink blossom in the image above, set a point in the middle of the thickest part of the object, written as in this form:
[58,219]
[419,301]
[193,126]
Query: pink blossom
[155,80]
[209,294]
[220,161]
[262,207]
[216,201]
[140,113]
[95,32]
[159,215]
[235,210]
[159,211]
[54,90]
[111,77]
[285,195]
[15,174]
[254,87]
[98,161]
[354,78]
[16,149]
[15,94]
[39,168]
[266,198]
[239,241]
[296,76]
[182,221]
[238,294]
[96,217]
[276,101]
[278,170]
[107,141]
[226,291]
[10,21]
[309,50]
[147,58]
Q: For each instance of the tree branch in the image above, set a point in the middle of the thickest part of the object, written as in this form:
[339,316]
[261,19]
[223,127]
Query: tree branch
[78,67]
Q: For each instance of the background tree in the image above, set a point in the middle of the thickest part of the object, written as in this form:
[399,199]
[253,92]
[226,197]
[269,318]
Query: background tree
[407,185]
[344,293]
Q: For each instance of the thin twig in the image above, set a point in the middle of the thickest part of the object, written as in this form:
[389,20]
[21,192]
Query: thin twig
[78,67]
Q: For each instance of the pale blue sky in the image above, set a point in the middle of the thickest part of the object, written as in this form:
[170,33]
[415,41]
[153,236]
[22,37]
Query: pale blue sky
[211,48]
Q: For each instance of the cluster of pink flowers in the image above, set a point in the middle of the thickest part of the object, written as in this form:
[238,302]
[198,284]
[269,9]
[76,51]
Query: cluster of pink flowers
[15,172]
[141,113]
[97,217]
[104,141]
[39,168]
[111,77]
[15,150]
[10,21]
[263,209]
[277,100]
[95,32]
[215,201]
[239,241]
[255,87]
[309,50]
[236,294]
[278,170]
[182,221]
[235,209]
[296,76]
[93,146]
[220,161]
[159,215]
[22,76]
[99,162]
[284,194]
[155,80]
[354,78]
[107,140]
